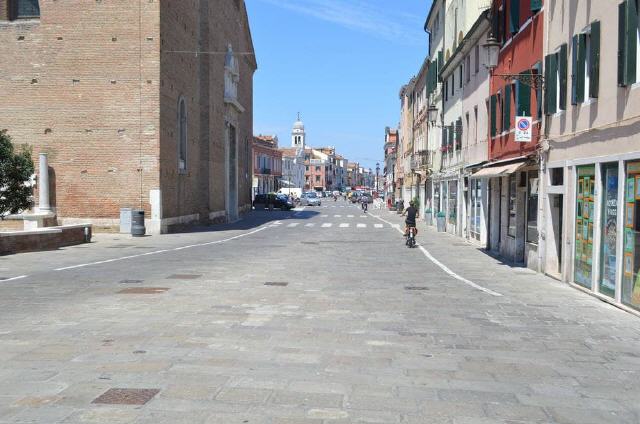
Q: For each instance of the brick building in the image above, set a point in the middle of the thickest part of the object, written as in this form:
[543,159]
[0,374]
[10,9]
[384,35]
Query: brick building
[128,111]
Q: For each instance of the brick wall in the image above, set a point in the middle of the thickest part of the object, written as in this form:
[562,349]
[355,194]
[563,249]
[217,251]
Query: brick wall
[81,83]
[185,27]
[44,239]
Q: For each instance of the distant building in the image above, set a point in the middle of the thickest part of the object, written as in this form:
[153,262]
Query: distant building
[267,164]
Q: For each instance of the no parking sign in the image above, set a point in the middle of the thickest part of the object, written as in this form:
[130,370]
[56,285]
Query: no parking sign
[523,129]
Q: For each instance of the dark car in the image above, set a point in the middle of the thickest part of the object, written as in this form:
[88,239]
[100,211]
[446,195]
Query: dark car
[279,201]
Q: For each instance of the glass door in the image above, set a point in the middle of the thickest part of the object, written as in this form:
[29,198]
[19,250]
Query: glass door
[607,282]
[584,226]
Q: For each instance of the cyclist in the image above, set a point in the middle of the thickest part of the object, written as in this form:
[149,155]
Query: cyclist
[412,214]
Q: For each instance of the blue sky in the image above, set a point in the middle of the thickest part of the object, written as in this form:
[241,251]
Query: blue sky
[340,63]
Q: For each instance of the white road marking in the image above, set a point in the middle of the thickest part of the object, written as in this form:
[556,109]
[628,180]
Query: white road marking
[363,216]
[156,252]
[20,277]
[442,266]
[327,225]
[362,225]
[349,216]
[310,225]
[337,216]
[293,224]
[324,216]
[344,225]
[378,225]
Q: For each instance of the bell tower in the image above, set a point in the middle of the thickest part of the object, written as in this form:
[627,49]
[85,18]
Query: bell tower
[298,135]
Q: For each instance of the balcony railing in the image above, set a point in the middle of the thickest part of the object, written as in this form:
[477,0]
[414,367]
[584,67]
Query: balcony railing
[422,160]
[265,171]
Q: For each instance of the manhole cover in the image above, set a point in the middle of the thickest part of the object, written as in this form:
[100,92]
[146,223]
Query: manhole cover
[131,281]
[184,276]
[276,283]
[416,288]
[126,396]
[144,290]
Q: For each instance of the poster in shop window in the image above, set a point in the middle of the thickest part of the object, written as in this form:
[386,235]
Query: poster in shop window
[610,230]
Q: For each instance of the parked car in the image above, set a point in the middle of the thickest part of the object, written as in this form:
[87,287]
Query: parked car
[355,196]
[279,201]
[310,198]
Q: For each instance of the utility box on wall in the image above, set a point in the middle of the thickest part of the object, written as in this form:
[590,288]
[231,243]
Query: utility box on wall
[126,217]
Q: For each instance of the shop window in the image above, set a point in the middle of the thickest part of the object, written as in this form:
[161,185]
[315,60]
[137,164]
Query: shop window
[453,202]
[631,261]
[513,196]
[532,206]
[584,225]
[609,263]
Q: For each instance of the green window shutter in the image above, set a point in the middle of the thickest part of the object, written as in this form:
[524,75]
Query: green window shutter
[440,62]
[547,78]
[459,133]
[536,5]
[631,29]
[538,68]
[552,85]
[514,16]
[450,140]
[562,70]
[524,98]
[574,70]
[582,56]
[494,102]
[622,41]
[594,59]
[506,117]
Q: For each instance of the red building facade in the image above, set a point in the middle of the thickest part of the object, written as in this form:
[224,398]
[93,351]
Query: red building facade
[518,26]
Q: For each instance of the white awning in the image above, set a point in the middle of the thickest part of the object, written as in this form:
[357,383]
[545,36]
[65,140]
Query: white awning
[498,171]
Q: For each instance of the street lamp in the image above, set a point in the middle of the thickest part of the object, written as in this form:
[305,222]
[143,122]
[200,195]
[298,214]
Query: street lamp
[432,114]
[377,176]
[492,47]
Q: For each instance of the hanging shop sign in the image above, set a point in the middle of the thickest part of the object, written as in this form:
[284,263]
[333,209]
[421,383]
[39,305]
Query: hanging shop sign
[523,129]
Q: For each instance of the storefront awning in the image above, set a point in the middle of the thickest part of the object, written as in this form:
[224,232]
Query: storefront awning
[498,171]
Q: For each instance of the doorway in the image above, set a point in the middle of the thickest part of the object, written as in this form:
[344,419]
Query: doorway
[232,175]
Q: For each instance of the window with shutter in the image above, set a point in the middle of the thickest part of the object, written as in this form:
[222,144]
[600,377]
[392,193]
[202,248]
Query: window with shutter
[524,98]
[562,77]
[547,78]
[493,115]
[594,59]
[506,117]
[574,70]
[580,72]
[622,42]
[552,85]
[538,69]
[514,16]
[24,9]
[631,43]
[536,5]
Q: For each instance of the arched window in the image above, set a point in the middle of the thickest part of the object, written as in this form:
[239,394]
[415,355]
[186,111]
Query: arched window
[24,9]
[182,134]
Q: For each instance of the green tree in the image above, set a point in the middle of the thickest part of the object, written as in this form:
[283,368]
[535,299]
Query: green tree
[16,169]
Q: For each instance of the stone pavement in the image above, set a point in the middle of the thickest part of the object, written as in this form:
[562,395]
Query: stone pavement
[264,322]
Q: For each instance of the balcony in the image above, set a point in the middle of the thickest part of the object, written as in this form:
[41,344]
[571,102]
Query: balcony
[265,171]
[421,160]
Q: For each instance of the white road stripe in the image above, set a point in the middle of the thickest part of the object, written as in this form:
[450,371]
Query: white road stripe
[327,225]
[14,278]
[324,216]
[337,216]
[362,225]
[344,225]
[378,225]
[310,225]
[156,252]
[363,216]
[349,216]
[293,224]
[443,267]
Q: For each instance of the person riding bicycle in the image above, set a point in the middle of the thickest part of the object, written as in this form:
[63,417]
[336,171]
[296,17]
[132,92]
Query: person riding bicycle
[364,203]
[412,214]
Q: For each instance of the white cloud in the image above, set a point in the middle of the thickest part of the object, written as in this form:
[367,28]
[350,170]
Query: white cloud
[360,16]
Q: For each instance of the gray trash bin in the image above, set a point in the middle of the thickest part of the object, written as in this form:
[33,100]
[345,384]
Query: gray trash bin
[442,223]
[137,223]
